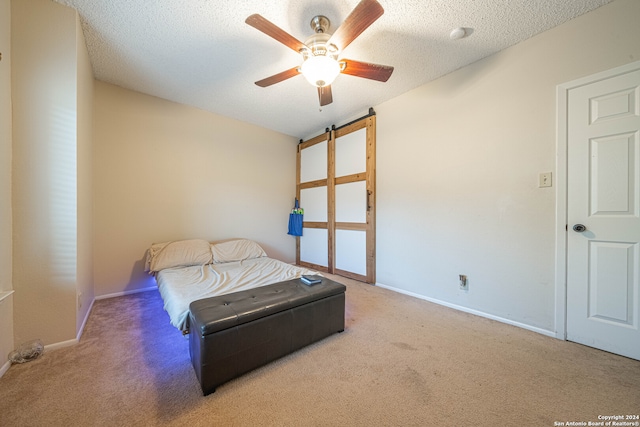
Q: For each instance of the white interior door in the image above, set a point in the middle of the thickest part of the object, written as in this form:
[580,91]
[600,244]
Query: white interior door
[603,214]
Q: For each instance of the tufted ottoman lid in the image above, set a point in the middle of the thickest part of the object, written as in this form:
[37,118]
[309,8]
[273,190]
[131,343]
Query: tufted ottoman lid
[214,314]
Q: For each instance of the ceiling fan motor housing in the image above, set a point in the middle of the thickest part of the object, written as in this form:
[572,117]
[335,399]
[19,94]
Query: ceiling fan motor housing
[320,24]
[317,45]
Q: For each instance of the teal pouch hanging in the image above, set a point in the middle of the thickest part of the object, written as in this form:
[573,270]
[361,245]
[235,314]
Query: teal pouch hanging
[295,224]
[295,220]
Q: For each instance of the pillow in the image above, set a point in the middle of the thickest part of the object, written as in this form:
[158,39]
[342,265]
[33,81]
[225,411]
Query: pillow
[236,250]
[181,253]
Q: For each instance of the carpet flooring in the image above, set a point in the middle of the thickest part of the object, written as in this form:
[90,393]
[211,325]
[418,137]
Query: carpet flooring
[400,362]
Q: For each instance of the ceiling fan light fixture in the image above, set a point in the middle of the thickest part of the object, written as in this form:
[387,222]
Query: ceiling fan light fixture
[320,70]
[320,52]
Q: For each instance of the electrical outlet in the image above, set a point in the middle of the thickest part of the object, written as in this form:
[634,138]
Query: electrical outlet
[464,283]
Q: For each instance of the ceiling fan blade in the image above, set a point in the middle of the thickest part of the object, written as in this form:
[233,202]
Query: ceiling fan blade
[272,30]
[364,14]
[324,95]
[377,72]
[277,78]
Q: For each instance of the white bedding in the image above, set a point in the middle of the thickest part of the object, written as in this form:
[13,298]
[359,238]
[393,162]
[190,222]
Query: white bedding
[182,285]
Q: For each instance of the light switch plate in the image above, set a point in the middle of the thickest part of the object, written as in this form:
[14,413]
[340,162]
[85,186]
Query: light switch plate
[545,180]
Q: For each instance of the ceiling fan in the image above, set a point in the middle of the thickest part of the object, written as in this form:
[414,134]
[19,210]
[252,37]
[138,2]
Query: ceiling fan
[320,52]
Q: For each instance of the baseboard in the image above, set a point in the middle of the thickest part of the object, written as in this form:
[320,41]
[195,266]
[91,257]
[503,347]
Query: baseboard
[84,322]
[62,344]
[546,332]
[123,293]
[5,368]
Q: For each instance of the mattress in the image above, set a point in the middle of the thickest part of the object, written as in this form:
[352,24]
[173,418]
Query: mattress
[180,286]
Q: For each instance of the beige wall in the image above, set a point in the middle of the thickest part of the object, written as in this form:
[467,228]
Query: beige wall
[48,80]
[85,288]
[6,305]
[458,165]
[165,171]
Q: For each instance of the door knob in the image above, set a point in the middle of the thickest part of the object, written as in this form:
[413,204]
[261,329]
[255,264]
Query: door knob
[579,228]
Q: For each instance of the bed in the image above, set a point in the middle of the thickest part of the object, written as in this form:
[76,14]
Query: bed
[241,308]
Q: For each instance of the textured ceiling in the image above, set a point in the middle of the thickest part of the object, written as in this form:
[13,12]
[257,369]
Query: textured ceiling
[201,52]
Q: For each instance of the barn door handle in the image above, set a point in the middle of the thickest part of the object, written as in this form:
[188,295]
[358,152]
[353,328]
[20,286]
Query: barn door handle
[579,228]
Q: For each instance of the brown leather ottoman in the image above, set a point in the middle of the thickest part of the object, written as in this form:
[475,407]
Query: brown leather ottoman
[235,333]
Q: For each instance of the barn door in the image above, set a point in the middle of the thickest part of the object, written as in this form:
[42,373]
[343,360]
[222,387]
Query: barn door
[312,248]
[336,187]
[354,190]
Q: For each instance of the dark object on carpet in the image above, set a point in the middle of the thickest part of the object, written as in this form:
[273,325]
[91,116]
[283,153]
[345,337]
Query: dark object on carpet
[235,333]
